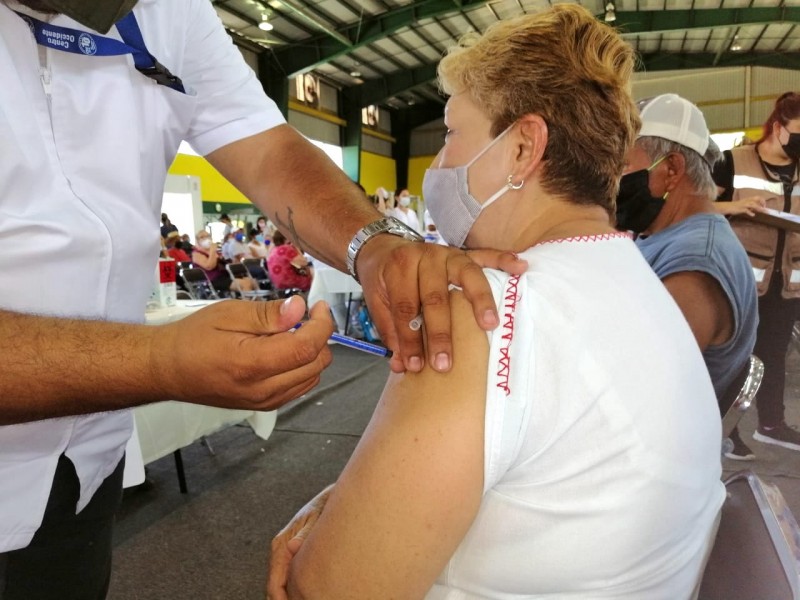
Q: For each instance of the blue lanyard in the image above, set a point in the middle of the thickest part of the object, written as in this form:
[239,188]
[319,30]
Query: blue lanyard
[91,44]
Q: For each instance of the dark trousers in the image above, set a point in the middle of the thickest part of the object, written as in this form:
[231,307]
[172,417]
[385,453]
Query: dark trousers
[776,320]
[69,557]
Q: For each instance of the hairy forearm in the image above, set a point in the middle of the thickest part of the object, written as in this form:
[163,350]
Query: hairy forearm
[56,367]
[307,196]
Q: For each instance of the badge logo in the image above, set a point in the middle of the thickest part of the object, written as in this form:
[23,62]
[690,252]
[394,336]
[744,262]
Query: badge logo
[86,44]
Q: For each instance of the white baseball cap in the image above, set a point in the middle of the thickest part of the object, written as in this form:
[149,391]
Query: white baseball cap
[673,118]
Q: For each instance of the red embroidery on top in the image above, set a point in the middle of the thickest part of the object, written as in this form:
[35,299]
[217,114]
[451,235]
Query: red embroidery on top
[509,307]
[589,238]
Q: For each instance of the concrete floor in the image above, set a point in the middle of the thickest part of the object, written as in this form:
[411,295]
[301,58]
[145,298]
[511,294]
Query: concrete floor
[213,542]
[774,464]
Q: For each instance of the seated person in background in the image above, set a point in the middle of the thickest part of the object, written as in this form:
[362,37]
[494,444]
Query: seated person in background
[574,451]
[206,257]
[175,249]
[186,243]
[668,196]
[263,230]
[288,268]
[255,247]
[233,248]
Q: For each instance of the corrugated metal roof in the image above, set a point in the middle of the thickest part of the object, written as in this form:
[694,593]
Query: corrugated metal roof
[394,44]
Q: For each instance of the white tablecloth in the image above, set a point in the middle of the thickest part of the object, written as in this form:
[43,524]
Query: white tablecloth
[328,281]
[167,426]
[163,427]
[334,287]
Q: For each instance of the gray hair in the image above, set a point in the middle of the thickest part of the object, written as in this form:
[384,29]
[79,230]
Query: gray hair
[698,168]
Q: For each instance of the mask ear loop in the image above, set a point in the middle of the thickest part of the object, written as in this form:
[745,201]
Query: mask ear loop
[653,166]
[511,185]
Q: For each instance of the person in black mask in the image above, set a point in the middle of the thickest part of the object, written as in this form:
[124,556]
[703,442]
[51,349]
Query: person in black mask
[666,196]
[766,173]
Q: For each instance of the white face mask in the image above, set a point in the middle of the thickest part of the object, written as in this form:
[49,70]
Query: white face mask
[404,201]
[452,207]
[205,243]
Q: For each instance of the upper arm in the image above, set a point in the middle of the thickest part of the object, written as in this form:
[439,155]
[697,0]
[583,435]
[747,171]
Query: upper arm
[201,259]
[244,162]
[704,305]
[230,101]
[412,488]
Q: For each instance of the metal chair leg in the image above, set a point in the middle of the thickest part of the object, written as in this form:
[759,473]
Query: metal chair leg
[205,442]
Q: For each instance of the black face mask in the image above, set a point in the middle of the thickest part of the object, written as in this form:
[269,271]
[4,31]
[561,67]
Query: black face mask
[792,147]
[636,207]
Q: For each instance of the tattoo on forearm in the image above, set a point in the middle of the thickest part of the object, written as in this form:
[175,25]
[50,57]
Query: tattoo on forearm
[287,226]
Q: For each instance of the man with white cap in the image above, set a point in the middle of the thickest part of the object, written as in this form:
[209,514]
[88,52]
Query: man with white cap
[667,196]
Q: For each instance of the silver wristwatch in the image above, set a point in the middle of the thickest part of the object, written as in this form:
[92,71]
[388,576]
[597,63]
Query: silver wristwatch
[385,225]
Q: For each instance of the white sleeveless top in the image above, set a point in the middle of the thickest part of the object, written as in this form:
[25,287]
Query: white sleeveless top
[602,441]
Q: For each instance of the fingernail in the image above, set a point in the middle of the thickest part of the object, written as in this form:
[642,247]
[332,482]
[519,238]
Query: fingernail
[441,362]
[415,363]
[285,305]
[490,318]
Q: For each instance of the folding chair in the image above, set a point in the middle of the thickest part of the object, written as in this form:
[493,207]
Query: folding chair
[740,394]
[258,271]
[757,551]
[182,292]
[239,271]
[198,285]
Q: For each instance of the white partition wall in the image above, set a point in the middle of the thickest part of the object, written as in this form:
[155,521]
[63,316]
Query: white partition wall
[183,203]
[731,98]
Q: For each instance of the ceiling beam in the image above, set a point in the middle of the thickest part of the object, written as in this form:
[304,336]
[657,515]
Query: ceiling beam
[661,21]
[302,13]
[421,114]
[307,54]
[376,91]
[705,60]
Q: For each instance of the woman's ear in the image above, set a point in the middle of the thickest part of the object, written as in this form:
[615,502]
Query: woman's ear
[533,136]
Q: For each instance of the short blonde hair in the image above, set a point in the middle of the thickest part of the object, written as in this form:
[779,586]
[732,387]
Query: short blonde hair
[573,71]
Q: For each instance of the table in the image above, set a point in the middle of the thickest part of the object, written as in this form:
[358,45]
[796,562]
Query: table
[775,218]
[331,285]
[163,428]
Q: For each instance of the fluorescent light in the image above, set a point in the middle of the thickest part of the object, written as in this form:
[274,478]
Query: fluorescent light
[611,15]
[265,25]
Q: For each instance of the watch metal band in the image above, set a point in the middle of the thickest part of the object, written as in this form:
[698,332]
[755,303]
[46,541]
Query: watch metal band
[386,225]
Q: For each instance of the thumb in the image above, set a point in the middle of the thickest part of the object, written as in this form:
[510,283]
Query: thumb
[273,317]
